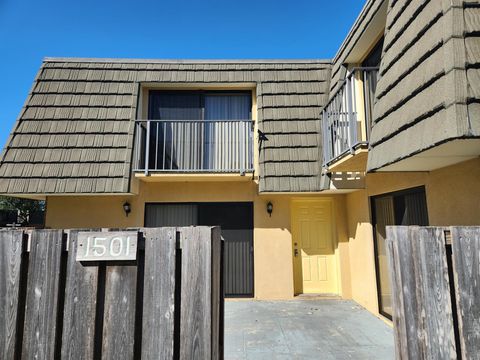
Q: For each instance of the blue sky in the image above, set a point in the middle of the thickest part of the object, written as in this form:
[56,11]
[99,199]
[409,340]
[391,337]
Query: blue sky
[216,29]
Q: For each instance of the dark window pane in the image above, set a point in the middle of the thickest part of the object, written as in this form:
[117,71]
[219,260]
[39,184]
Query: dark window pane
[158,215]
[384,215]
[415,209]
[232,216]
[375,56]
[175,106]
[236,221]
[408,207]
[195,131]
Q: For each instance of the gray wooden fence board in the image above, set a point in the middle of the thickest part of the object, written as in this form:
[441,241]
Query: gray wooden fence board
[195,319]
[398,318]
[55,279]
[11,248]
[408,317]
[216,278]
[80,305]
[119,316]
[436,334]
[466,266]
[42,294]
[158,293]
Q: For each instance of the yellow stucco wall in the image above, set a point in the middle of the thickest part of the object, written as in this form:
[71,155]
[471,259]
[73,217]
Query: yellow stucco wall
[453,198]
[453,195]
[342,246]
[273,264]
[273,267]
[362,266]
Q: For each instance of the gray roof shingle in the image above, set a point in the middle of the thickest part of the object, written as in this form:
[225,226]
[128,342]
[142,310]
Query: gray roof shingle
[75,132]
[425,95]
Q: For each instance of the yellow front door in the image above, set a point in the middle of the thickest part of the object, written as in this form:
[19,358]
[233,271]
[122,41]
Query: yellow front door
[313,247]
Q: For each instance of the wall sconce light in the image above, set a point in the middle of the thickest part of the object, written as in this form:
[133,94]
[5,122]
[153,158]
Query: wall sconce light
[127,208]
[270,208]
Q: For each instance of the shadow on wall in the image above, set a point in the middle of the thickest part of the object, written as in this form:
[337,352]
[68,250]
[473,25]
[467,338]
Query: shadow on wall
[361,250]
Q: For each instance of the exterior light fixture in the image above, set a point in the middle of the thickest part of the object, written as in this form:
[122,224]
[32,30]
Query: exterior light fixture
[270,208]
[127,208]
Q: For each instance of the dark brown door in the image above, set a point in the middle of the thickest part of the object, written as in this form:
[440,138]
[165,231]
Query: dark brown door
[236,222]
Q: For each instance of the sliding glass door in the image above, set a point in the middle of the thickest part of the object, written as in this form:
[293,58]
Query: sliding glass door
[169,139]
[199,130]
[407,207]
[225,137]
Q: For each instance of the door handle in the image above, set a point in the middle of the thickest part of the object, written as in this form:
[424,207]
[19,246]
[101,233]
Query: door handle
[295,252]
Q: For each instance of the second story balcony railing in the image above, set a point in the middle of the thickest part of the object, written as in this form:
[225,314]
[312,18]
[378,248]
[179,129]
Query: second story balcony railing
[202,146]
[346,119]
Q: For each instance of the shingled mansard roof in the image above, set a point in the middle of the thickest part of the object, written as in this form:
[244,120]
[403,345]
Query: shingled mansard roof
[429,90]
[75,132]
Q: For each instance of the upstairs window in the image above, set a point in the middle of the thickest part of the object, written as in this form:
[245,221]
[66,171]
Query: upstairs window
[372,61]
[348,116]
[196,131]
[374,57]
[208,106]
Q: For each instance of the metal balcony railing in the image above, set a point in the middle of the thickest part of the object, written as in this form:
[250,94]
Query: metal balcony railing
[204,146]
[343,129]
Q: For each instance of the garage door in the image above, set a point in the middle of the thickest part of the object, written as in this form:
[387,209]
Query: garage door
[236,221]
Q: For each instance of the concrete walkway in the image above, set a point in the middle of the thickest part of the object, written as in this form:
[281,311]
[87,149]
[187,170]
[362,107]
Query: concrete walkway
[304,329]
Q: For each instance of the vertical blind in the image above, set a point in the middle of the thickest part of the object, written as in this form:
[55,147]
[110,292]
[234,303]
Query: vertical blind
[225,137]
[171,215]
[175,106]
[372,60]
[384,214]
[408,207]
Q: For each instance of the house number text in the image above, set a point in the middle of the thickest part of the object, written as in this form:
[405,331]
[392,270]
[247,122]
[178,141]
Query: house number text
[107,246]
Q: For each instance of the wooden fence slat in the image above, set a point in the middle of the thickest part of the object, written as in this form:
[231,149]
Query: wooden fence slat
[11,248]
[398,318]
[466,268]
[119,315]
[435,332]
[42,294]
[405,316]
[158,293]
[402,306]
[168,304]
[80,306]
[195,319]
[215,240]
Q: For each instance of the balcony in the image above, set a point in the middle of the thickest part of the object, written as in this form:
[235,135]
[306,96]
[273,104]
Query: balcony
[346,122]
[193,147]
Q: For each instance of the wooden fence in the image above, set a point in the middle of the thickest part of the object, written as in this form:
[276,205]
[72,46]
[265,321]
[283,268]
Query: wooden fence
[435,276]
[165,304]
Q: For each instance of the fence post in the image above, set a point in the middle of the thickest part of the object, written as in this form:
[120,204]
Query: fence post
[80,305]
[423,317]
[466,270]
[12,247]
[158,295]
[405,316]
[41,332]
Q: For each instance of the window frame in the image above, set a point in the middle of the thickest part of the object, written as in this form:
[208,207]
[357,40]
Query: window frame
[201,94]
[409,191]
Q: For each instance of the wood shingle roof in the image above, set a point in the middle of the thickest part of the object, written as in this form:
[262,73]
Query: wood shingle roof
[75,132]
[425,95]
